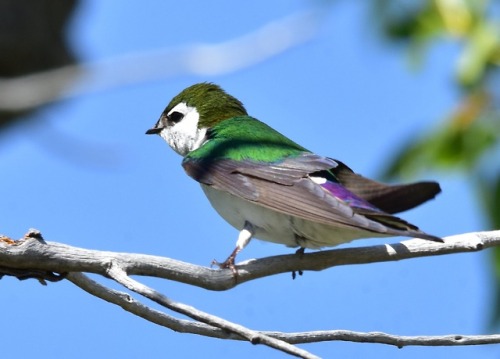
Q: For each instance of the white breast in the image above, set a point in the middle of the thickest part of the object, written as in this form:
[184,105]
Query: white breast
[278,227]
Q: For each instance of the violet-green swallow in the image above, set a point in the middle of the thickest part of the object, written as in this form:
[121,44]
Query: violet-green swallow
[271,188]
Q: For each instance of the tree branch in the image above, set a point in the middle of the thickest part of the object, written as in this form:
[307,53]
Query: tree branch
[135,307]
[253,337]
[128,303]
[34,258]
[34,253]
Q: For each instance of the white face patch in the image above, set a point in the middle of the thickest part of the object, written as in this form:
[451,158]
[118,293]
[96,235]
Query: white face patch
[184,136]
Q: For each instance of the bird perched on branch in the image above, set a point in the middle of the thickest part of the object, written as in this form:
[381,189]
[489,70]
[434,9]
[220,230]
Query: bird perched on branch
[271,188]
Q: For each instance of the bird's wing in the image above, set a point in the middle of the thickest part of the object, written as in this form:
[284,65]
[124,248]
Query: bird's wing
[297,187]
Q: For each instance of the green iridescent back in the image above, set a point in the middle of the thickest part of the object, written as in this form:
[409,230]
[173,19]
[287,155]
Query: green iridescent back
[246,138]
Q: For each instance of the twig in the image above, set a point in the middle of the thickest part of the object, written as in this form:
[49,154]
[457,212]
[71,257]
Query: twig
[399,341]
[135,307]
[120,276]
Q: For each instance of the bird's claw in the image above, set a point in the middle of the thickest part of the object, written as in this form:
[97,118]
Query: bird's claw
[299,252]
[227,264]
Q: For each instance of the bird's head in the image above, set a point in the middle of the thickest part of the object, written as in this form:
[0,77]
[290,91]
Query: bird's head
[189,115]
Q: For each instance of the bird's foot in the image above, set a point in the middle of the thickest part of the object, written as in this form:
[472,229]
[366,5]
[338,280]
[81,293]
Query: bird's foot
[228,263]
[300,252]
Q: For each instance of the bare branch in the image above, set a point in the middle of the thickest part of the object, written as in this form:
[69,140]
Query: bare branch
[32,253]
[399,341]
[253,337]
[34,256]
[133,306]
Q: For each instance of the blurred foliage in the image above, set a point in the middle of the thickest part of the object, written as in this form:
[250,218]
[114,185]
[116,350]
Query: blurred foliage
[467,141]
[33,39]
[471,22]
[459,143]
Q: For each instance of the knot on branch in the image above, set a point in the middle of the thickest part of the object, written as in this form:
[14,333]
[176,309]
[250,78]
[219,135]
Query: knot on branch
[31,234]
[35,234]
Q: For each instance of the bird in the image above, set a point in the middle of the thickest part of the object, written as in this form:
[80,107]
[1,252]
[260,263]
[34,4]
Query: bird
[271,188]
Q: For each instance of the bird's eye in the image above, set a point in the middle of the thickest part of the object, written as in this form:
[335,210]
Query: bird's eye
[175,116]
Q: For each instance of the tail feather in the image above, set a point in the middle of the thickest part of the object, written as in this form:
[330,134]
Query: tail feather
[389,198]
[400,226]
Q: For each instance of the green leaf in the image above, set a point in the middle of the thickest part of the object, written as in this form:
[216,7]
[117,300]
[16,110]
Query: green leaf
[451,147]
[482,45]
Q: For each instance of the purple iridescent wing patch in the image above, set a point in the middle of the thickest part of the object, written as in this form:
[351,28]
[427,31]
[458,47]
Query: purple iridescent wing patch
[347,196]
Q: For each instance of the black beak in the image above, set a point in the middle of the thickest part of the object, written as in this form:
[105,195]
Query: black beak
[154,131]
[157,128]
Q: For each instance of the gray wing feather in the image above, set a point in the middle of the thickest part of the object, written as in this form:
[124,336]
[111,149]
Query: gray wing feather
[283,187]
[288,171]
[286,187]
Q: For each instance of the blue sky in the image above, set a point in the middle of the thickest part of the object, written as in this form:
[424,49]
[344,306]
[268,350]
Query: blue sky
[83,172]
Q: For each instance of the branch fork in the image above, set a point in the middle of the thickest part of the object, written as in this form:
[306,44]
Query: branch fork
[33,257]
